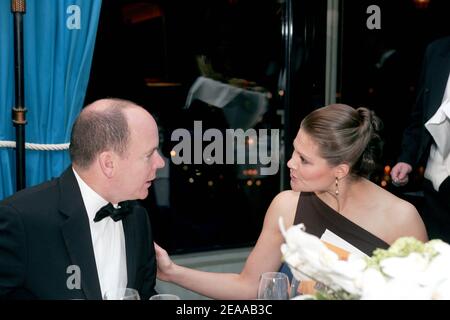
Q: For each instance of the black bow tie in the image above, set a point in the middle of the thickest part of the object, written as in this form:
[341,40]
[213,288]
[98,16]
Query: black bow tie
[116,214]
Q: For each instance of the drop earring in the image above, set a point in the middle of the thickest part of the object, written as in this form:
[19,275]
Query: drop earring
[337,188]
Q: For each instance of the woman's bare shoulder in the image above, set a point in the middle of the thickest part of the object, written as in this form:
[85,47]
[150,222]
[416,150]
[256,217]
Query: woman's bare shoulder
[286,196]
[393,203]
[404,211]
[403,218]
[392,216]
[286,200]
[390,201]
[284,204]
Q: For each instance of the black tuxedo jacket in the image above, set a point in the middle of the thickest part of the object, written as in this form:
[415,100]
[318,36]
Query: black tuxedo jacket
[44,233]
[436,68]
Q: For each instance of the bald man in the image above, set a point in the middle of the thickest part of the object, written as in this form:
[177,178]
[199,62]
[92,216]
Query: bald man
[81,235]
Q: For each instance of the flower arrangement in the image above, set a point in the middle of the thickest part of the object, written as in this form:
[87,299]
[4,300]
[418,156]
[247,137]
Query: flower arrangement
[409,269]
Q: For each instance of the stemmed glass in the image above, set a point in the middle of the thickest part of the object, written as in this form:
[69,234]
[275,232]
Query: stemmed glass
[164,296]
[121,294]
[273,286]
[295,290]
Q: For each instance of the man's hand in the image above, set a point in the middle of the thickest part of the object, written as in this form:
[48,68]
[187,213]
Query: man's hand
[399,174]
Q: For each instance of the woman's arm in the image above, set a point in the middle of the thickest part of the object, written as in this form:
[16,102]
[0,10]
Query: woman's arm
[265,256]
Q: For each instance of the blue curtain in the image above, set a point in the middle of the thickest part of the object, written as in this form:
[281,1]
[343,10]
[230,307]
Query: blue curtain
[7,165]
[59,38]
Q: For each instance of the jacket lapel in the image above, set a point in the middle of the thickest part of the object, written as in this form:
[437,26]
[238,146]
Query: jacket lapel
[77,235]
[439,76]
[129,229]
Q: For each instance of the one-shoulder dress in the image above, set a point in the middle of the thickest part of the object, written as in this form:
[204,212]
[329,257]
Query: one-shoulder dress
[317,217]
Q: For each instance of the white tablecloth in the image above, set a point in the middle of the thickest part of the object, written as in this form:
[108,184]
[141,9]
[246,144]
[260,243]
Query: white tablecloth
[242,108]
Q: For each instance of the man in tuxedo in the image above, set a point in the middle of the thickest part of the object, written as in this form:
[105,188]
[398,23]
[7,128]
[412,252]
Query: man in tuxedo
[427,140]
[78,236]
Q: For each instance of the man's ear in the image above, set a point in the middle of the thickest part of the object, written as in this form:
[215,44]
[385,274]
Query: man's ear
[342,170]
[107,163]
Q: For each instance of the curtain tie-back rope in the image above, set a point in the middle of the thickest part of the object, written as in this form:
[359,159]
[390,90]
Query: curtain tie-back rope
[36,146]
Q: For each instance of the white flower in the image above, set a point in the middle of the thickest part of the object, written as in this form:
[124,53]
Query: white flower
[373,284]
[305,252]
[309,257]
[377,287]
[442,290]
[409,269]
[345,274]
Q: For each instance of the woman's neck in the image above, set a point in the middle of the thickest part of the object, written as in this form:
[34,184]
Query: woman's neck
[348,189]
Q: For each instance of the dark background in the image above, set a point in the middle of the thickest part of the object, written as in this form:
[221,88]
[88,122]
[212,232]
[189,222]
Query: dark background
[159,42]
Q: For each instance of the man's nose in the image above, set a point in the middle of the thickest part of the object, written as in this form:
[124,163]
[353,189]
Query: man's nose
[160,162]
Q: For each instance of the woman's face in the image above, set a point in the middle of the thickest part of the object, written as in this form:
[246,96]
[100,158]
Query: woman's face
[309,171]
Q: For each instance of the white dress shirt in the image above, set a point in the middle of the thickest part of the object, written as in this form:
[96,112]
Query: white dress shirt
[438,166]
[108,240]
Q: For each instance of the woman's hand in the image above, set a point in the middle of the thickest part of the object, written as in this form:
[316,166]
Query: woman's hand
[165,264]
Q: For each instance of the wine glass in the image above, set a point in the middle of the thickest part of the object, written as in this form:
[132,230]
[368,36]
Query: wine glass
[295,288]
[164,296]
[122,294]
[273,286]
